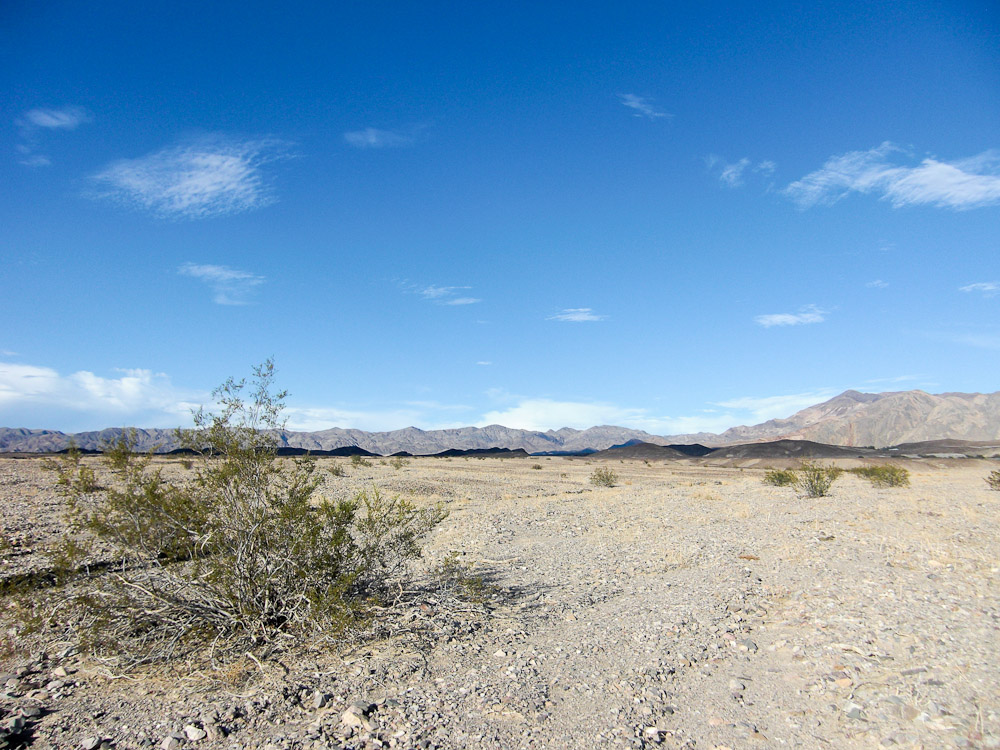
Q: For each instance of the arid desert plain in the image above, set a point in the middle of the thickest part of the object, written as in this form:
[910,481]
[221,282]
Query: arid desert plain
[688,606]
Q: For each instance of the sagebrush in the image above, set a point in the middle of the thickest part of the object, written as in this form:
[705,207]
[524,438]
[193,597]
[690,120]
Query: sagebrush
[885,475]
[780,477]
[993,479]
[603,477]
[815,480]
[241,557]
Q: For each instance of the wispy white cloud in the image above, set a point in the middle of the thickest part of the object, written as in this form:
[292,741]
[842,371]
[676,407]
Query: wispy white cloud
[963,184]
[375,138]
[64,118]
[212,176]
[577,315]
[33,122]
[642,107]
[443,295]
[805,315]
[986,288]
[230,286]
[761,409]
[977,340]
[484,363]
[733,174]
[549,414]
[136,396]
[877,284]
[895,379]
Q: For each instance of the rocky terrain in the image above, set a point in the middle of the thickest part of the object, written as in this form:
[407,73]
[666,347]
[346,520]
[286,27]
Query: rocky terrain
[688,606]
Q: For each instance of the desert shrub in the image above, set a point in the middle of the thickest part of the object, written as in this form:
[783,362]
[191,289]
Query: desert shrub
[337,470]
[993,479]
[398,462]
[358,460]
[886,475]
[780,477]
[241,557]
[456,578]
[537,467]
[603,477]
[815,480]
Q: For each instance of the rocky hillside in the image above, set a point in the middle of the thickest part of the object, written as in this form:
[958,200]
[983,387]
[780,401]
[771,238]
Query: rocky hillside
[852,419]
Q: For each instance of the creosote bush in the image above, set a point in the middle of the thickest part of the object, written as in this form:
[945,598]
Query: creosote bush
[241,556]
[886,475]
[780,477]
[815,480]
[359,460]
[603,477]
[993,479]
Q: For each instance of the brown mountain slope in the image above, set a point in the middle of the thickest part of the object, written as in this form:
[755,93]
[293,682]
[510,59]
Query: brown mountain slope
[882,419]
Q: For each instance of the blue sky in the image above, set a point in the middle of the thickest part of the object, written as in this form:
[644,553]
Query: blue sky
[536,215]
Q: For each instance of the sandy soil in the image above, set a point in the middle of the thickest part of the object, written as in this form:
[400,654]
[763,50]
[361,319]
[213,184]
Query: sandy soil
[688,606]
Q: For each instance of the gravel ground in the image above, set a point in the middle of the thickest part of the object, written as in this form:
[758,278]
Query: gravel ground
[688,606]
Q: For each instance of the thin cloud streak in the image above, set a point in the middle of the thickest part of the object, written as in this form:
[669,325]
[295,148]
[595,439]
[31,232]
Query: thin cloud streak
[805,316]
[375,138]
[444,295]
[33,122]
[210,177]
[986,288]
[960,185]
[642,107]
[577,315]
[230,286]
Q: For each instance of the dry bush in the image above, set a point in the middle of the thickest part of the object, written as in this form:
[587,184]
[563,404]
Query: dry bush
[993,480]
[603,477]
[240,557]
[815,480]
[887,475]
[780,477]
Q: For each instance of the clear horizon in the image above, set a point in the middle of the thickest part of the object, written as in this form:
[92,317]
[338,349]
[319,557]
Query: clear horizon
[674,220]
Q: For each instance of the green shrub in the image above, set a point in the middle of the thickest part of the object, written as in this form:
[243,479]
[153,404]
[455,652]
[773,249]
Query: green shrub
[780,477]
[359,460]
[603,477]
[241,557]
[337,470]
[886,475]
[993,480]
[815,480]
[398,462]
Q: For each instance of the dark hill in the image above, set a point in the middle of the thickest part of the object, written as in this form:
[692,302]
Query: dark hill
[792,449]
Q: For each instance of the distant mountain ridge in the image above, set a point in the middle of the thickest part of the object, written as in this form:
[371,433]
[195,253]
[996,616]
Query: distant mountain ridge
[849,419]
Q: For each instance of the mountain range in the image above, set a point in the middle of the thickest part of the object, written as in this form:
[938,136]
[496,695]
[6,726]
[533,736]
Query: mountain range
[850,419]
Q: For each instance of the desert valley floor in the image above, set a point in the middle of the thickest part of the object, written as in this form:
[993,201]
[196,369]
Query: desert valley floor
[689,606]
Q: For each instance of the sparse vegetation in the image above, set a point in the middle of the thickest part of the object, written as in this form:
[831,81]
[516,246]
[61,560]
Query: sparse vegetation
[780,477]
[456,578]
[357,461]
[537,467]
[815,480]
[398,462]
[337,470]
[242,557]
[603,477]
[886,475]
[993,479]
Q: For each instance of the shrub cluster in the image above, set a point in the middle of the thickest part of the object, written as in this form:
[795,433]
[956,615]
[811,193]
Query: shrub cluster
[780,477]
[886,475]
[993,479]
[603,477]
[815,480]
[240,557]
